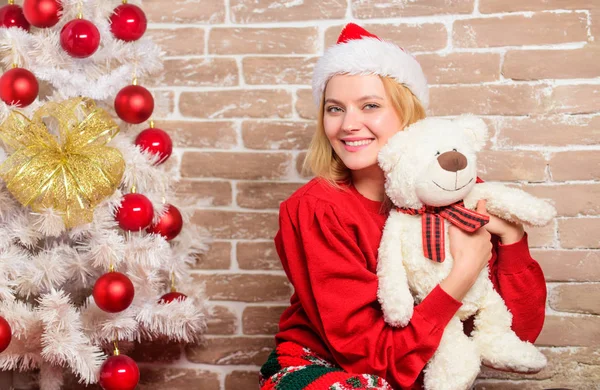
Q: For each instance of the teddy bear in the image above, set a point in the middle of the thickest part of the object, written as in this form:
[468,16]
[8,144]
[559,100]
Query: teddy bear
[431,178]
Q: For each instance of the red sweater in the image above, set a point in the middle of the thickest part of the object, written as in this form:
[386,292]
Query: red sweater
[327,242]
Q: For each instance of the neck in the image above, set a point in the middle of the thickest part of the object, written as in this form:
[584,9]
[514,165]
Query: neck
[370,182]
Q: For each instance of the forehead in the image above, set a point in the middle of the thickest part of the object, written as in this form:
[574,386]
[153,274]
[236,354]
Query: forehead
[350,87]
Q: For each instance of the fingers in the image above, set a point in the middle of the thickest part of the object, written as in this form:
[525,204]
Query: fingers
[481,206]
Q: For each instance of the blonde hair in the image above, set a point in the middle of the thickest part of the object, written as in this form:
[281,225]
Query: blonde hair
[322,161]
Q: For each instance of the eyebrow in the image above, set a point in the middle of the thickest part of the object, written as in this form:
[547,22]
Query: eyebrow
[368,97]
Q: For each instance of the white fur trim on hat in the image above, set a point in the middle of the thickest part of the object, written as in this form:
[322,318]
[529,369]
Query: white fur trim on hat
[370,56]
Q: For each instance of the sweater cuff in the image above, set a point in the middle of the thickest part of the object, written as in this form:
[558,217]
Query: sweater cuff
[438,307]
[514,258]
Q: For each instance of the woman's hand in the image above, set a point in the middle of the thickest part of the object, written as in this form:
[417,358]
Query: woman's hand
[471,253]
[508,232]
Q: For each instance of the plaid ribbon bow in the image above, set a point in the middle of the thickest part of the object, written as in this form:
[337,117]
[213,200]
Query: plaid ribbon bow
[433,225]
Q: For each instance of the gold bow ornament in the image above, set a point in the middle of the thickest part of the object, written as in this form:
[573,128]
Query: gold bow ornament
[59,159]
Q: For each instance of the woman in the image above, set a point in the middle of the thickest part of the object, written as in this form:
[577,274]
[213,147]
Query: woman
[333,335]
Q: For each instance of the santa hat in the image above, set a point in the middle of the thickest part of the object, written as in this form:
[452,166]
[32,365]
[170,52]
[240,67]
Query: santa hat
[359,52]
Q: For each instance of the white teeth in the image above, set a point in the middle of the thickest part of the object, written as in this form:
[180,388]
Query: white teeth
[359,143]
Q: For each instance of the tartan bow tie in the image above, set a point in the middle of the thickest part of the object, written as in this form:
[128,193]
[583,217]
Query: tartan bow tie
[432,225]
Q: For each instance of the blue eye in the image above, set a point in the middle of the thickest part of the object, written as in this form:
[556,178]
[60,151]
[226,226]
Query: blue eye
[371,106]
[333,109]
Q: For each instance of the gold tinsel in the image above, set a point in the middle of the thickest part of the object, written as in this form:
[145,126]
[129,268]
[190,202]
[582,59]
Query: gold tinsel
[60,160]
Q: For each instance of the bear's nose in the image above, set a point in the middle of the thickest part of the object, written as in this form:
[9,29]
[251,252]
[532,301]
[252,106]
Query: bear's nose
[452,161]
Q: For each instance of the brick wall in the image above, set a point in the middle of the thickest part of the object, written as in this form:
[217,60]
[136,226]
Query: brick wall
[236,97]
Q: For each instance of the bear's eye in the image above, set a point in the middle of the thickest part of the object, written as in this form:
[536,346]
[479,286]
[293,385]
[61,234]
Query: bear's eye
[437,153]
[455,150]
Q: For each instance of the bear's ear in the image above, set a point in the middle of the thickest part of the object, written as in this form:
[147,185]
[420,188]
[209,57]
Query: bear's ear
[475,128]
[388,157]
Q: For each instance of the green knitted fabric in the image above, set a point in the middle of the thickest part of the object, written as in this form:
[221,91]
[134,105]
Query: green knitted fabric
[271,366]
[298,380]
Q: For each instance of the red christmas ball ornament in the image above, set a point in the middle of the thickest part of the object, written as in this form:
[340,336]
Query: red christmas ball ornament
[18,86]
[169,225]
[134,104]
[80,38]
[170,297]
[128,22]
[5,334]
[155,141]
[42,13]
[11,15]
[135,212]
[113,292]
[119,372]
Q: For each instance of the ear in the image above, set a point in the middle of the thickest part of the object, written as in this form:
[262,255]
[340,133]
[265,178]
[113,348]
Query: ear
[475,128]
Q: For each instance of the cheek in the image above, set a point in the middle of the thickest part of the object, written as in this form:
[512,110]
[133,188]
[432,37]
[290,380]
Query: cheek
[385,126]
[331,125]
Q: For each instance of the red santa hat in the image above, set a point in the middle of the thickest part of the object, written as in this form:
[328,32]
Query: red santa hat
[359,52]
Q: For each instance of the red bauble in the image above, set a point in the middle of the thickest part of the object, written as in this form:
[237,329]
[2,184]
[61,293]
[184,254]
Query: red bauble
[155,141]
[119,372]
[11,15]
[128,22]
[5,334]
[170,297]
[80,38]
[169,225]
[42,13]
[135,213]
[18,86]
[113,292]
[134,104]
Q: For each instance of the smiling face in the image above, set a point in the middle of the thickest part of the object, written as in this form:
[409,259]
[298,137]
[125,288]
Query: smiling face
[358,119]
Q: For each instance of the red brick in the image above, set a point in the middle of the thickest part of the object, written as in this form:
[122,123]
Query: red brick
[305,105]
[237,225]
[520,30]
[569,265]
[551,64]
[179,41]
[237,380]
[576,165]
[214,193]
[264,195]
[235,165]
[197,72]
[222,321]
[498,6]
[541,237]
[497,165]
[260,320]
[232,350]
[574,99]
[576,298]
[460,68]
[389,9]
[278,70]
[184,11]
[487,100]
[579,232]
[290,40]
[164,103]
[556,130]
[257,256]
[155,378]
[246,287]
[218,256]
[412,37]
[200,134]
[157,351]
[570,200]
[277,134]
[265,11]
[558,331]
[238,103]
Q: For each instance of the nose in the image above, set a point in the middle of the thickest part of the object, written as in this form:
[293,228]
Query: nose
[351,121]
[452,161]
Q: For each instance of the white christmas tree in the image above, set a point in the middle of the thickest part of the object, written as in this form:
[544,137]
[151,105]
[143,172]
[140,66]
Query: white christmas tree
[90,239]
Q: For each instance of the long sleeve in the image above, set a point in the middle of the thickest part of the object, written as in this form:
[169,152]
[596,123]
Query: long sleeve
[338,295]
[520,281]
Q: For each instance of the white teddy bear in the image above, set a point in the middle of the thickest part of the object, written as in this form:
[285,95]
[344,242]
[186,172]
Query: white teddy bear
[433,163]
